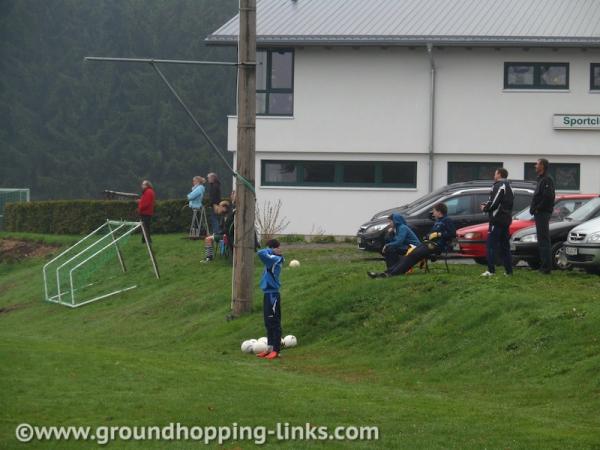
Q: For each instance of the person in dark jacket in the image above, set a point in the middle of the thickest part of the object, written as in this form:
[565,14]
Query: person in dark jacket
[499,208]
[225,214]
[542,205]
[273,260]
[400,241]
[146,208]
[436,242]
[214,195]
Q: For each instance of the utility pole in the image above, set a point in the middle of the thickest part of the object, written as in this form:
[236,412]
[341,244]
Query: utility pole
[243,253]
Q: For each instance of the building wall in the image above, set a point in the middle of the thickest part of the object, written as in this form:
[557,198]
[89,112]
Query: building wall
[373,104]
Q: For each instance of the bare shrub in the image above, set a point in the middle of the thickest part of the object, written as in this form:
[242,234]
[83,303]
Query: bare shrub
[269,221]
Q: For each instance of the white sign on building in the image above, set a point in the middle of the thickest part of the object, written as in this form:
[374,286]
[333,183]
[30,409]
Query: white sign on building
[576,122]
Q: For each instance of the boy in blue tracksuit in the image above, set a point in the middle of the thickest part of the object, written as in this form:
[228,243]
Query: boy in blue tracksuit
[273,260]
[403,238]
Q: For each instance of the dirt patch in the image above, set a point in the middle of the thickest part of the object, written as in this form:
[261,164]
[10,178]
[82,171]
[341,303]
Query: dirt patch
[10,308]
[14,250]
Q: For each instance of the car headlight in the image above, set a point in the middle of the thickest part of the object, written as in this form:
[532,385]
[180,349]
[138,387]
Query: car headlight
[473,235]
[529,238]
[594,237]
[378,227]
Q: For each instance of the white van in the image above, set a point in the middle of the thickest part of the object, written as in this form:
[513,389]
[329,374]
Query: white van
[582,248]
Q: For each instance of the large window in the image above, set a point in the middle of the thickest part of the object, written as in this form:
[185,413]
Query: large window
[566,176]
[522,75]
[275,82]
[595,76]
[459,172]
[399,174]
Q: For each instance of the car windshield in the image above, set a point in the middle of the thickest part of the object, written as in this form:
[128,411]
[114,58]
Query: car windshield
[585,211]
[562,208]
[415,203]
[523,215]
[423,200]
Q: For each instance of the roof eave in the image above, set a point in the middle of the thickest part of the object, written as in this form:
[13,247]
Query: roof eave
[493,41]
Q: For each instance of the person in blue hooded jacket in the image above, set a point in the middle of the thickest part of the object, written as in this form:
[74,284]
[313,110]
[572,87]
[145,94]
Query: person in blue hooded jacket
[272,259]
[437,241]
[197,193]
[401,240]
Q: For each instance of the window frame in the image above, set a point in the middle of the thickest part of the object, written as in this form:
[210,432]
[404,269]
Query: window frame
[338,181]
[270,90]
[553,175]
[469,163]
[594,88]
[536,76]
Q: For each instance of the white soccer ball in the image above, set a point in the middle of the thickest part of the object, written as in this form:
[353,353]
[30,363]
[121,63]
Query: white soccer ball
[264,340]
[294,263]
[259,347]
[247,346]
[290,341]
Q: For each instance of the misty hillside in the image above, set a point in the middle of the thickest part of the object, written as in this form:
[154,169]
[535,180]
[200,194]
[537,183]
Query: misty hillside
[70,129]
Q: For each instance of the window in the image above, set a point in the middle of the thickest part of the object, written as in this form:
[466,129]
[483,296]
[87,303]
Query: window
[595,77]
[563,208]
[522,200]
[467,171]
[460,206]
[275,82]
[399,174]
[518,75]
[566,176]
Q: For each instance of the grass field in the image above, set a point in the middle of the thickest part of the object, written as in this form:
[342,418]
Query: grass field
[436,361]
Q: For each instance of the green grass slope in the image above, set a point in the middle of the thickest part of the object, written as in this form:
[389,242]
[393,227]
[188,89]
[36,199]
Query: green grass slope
[434,360]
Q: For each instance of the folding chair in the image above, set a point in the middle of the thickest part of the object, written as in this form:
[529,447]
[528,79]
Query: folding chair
[198,221]
[444,256]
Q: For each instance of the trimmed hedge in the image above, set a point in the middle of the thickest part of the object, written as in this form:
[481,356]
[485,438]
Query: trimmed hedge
[84,216]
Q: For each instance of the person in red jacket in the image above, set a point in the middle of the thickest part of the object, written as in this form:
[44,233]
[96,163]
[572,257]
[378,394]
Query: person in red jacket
[146,208]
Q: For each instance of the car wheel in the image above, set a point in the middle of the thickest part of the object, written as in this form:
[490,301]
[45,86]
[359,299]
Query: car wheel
[482,261]
[559,258]
[593,270]
[533,263]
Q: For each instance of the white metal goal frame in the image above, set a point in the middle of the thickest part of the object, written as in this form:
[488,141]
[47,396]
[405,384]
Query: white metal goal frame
[97,246]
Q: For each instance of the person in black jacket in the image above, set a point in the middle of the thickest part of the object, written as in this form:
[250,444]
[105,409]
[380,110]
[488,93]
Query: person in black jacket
[542,205]
[214,196]
[499,208]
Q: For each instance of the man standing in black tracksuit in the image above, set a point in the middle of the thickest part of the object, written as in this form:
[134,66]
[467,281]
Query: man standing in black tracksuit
[541,208]
[499,208]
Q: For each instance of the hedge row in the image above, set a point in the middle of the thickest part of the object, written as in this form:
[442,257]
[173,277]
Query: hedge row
[83,216]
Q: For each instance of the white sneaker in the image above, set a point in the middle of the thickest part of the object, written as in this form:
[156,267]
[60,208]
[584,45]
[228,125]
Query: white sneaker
[487,273]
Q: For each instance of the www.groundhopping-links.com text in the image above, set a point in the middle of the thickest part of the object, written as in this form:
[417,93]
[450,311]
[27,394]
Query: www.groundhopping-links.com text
[282,431]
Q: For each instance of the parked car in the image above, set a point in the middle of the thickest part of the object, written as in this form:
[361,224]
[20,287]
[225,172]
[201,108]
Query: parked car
[582,248]
[472,240]
[462,200]
[524,245]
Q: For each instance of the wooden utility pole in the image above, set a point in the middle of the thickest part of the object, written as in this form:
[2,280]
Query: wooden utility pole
[243,254]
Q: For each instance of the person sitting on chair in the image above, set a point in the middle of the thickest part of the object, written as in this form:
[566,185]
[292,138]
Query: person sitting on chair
[399,242]
[214,196]
[435,243]
[225,215]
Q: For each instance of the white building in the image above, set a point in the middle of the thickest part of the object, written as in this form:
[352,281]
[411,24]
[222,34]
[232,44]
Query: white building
[367,105]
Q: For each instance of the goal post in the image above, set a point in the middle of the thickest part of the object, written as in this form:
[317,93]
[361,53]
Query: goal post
[94,267]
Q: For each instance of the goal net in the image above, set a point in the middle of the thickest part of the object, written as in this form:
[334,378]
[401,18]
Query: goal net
[105,262]
[11,196]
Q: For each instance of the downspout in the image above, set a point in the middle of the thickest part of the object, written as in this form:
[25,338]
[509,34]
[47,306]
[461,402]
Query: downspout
[431,113]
